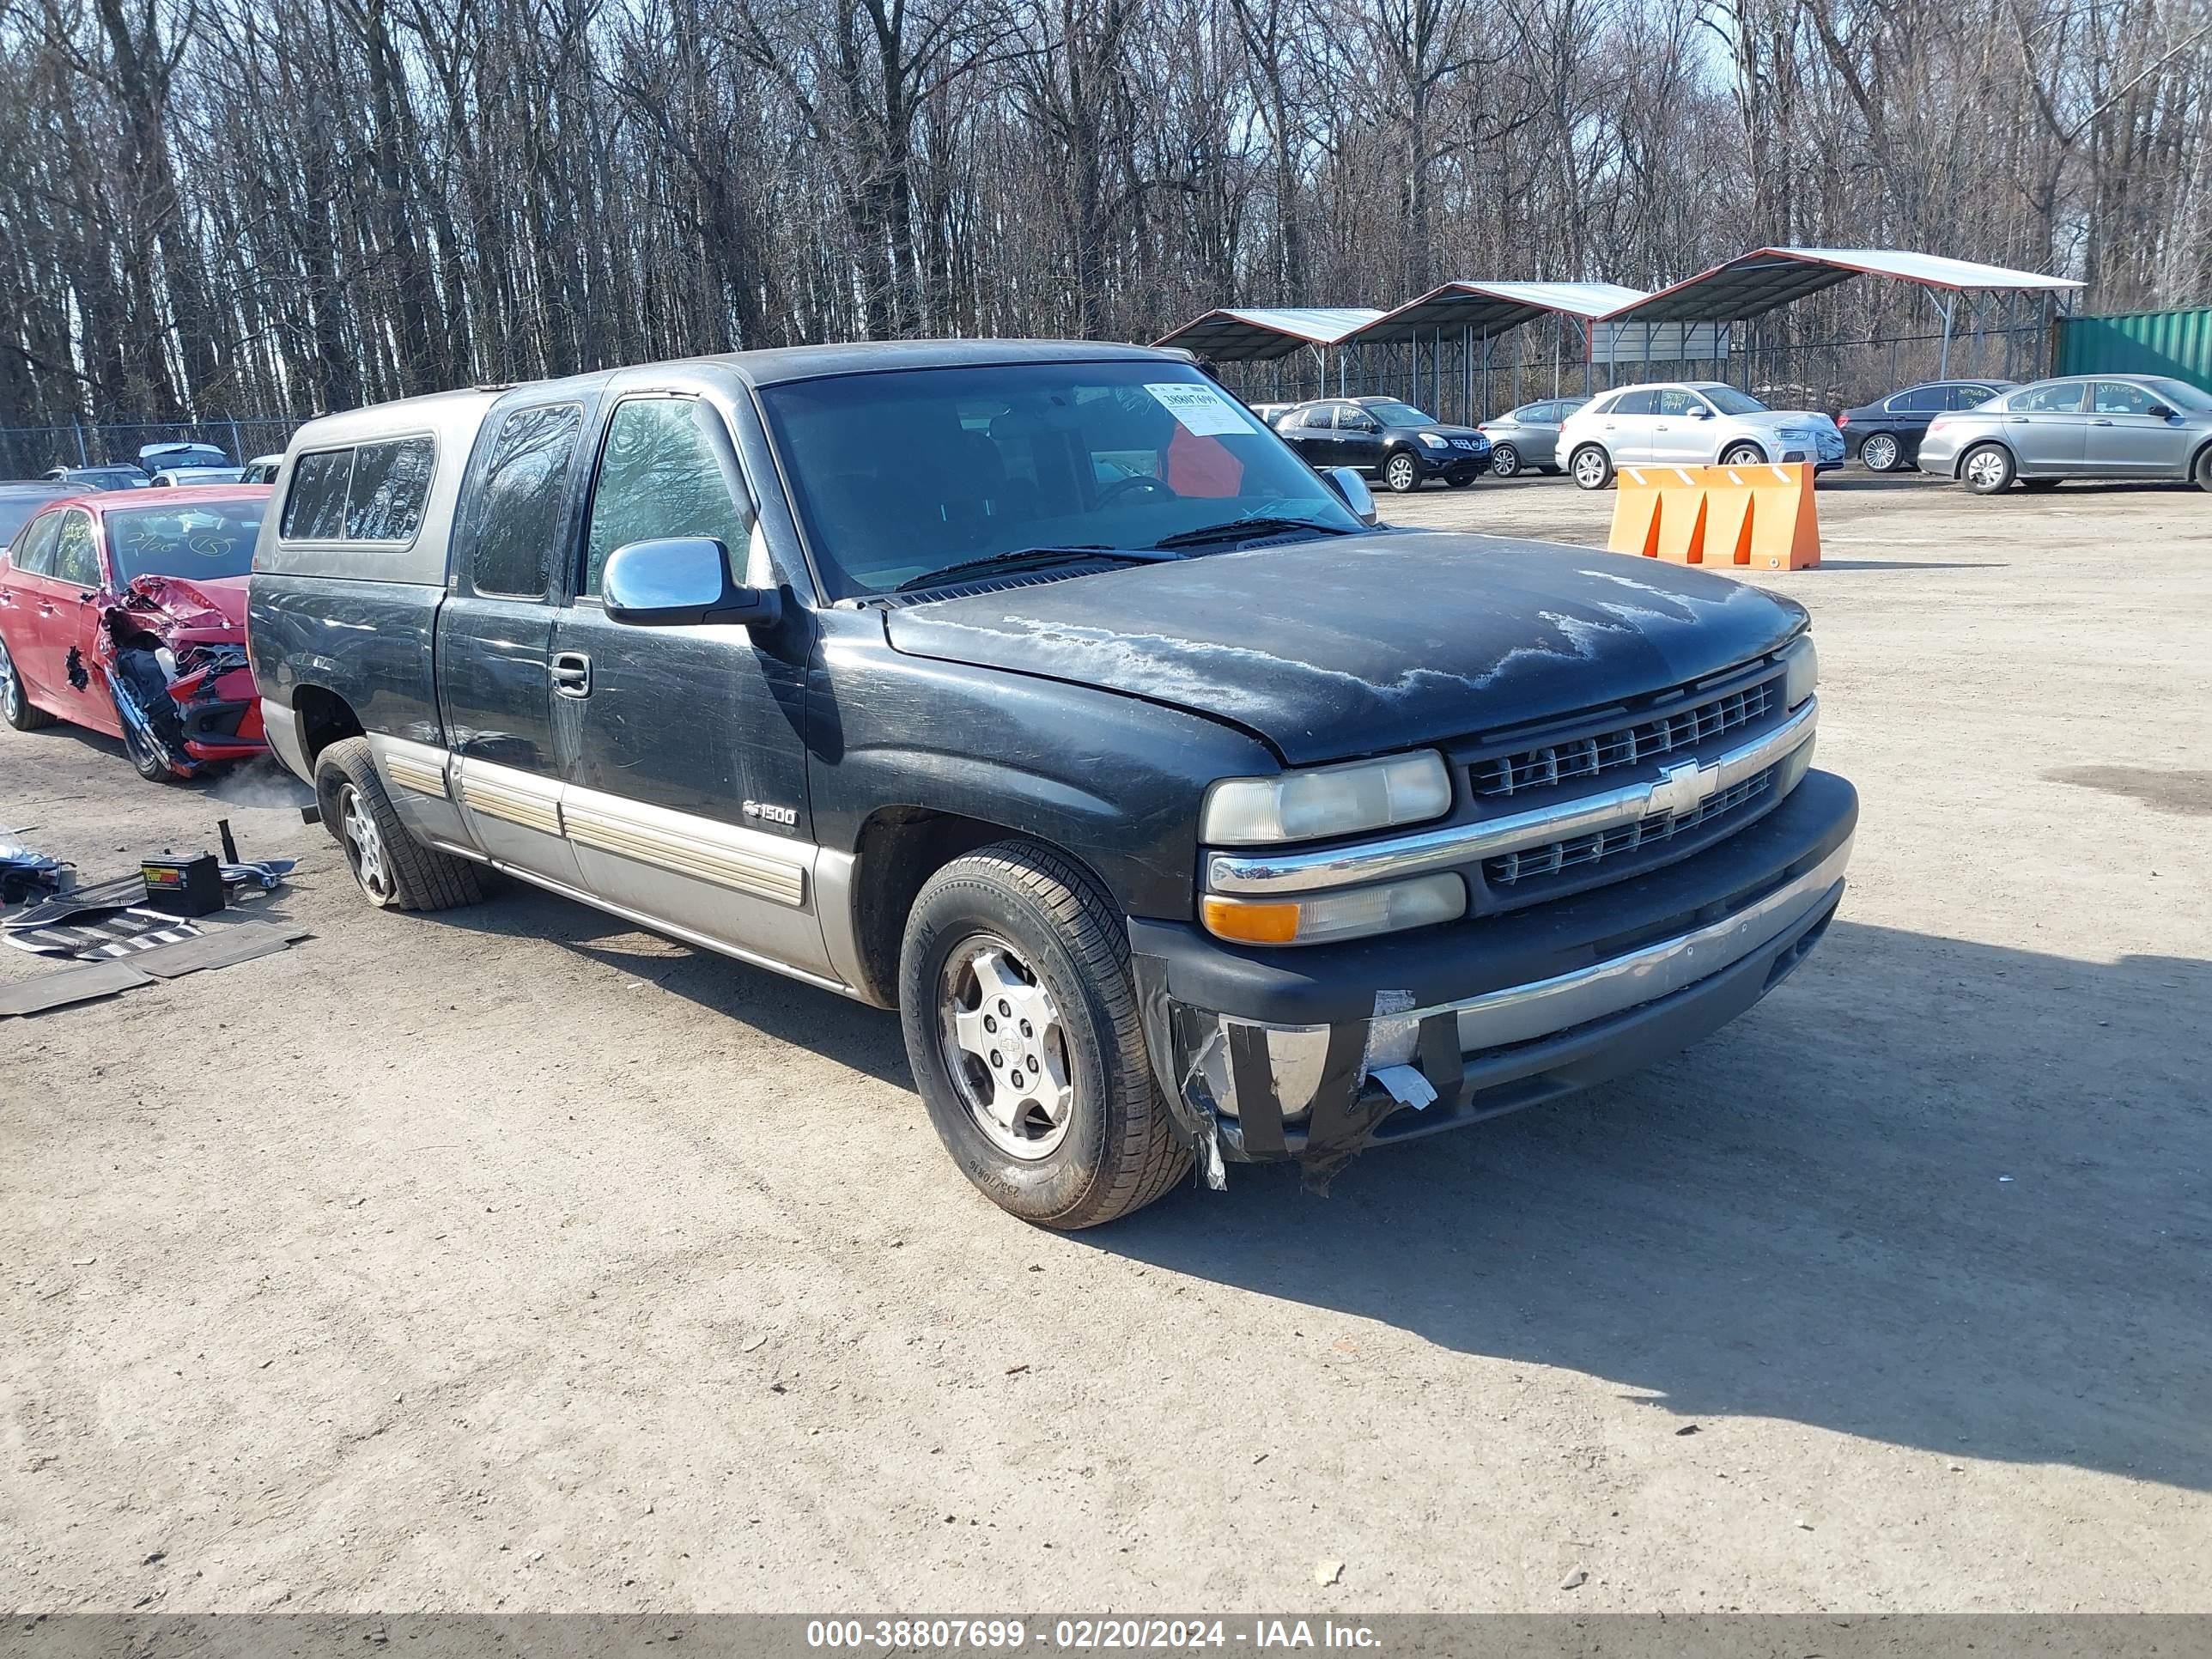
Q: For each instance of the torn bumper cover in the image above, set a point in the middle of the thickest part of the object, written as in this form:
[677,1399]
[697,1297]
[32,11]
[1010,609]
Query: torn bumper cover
[1316,1053]
[175,662]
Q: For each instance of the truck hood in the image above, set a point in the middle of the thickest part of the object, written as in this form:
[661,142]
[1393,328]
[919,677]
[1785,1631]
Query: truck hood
[1360,644]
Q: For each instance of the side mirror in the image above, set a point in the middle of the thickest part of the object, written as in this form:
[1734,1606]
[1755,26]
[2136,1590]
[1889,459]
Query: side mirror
[678,581]
[1352,490]
[2159,412]
[1700,412]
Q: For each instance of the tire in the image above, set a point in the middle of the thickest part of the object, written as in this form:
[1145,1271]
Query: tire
[1591,466]
[1881,452]
[1401,473]
[1743,455]
[1988,469]
[2203,471]
[15,705]
[1018,917]
[149,688]
[1505,461]
[393,871]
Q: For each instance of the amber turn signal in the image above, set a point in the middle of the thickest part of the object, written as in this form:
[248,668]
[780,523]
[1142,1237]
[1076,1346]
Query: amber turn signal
[1249,923]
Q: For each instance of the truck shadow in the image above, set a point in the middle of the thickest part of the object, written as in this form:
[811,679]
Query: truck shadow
[1931,1193]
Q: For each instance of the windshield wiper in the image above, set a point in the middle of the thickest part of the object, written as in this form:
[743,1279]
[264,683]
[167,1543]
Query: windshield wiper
[1241,529]
[1029,558]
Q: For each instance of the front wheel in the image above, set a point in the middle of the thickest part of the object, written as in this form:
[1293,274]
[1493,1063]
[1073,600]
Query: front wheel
[2203,471]
[1988,469]
[1881,454]
[1021,1026]
[393,871]
[1743,455]
[1592,467]
[15,704]
[1402,473]
[1505,461]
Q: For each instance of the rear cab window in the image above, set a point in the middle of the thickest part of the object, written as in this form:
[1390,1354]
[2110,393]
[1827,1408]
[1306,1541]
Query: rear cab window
[521,501]
[370,492]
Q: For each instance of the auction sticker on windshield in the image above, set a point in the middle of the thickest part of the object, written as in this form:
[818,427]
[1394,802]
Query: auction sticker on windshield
[1201,410]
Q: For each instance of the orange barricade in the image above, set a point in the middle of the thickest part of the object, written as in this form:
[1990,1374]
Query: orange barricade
[1759,516]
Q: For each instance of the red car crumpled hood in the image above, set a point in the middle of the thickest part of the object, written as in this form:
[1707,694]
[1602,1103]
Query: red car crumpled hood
[180,608]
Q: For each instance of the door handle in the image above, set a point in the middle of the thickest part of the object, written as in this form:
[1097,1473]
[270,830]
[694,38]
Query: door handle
[2100,423]
[572,674]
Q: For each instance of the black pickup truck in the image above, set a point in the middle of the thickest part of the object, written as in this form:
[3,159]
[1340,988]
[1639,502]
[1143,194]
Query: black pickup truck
[1040,692]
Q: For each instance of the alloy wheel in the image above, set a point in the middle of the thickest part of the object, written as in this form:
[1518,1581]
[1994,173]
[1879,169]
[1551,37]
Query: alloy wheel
[1880,452]
[11,688]
[1505,460]
[364,845]
[1000,1037]
[1986,470]
[1400,474]
[1589,468]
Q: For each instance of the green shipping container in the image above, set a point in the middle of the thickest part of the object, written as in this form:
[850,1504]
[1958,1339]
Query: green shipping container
[2175,343]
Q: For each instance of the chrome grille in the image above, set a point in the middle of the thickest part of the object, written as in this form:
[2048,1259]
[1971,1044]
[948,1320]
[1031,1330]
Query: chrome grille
[1599,752]
[1555,856]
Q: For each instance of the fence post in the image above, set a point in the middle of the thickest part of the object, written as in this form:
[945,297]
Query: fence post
[77,426]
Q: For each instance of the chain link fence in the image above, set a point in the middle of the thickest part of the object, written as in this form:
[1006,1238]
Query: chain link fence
[26,452]
[1455,380]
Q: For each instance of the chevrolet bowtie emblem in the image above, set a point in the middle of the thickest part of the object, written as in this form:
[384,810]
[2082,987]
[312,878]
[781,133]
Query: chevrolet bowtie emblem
[1683,787]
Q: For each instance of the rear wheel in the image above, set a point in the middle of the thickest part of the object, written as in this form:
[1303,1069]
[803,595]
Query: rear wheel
[1881,454]
[1020,1027]
[393,871]
[1402,473]
[1592,467]
[1988,469]
[15,704]
[1505,461]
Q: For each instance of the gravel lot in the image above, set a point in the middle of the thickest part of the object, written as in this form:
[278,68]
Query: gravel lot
[512,1259]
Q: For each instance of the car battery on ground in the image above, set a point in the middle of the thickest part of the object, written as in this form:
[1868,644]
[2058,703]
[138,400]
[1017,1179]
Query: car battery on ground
[184,887]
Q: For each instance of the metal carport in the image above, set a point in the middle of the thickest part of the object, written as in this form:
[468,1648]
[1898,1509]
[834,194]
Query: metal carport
[1769,278]
[1269,334]
[1480,312]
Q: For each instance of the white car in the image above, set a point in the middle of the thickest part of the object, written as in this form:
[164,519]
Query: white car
[1690,424]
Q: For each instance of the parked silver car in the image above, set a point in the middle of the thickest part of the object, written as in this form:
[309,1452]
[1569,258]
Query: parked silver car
[1691,423]
[1528,436]
[2078,426]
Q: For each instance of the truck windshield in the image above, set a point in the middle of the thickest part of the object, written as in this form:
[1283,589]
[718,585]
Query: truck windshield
[902,474]
[212,539]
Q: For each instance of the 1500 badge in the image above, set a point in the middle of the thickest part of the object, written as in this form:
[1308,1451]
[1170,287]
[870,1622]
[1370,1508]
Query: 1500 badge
[769,812]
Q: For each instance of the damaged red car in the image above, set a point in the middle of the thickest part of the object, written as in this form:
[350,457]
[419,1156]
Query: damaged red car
[129,617]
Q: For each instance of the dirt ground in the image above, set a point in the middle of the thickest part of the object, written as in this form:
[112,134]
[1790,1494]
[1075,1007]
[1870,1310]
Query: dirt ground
[514,1259]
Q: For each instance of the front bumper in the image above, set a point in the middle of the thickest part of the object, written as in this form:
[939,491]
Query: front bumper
[1316,1053]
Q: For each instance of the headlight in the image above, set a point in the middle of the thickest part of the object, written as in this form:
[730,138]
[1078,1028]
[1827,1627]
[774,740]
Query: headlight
[1796,434]
[1326,801]
[1435,440]
[1352,912]
[1802,671]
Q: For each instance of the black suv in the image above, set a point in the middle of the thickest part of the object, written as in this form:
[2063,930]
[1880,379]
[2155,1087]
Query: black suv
[1037,691]
[1389,440]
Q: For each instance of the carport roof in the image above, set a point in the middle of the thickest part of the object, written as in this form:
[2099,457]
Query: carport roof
[1771,277]
[1492,308]
[1260,334]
